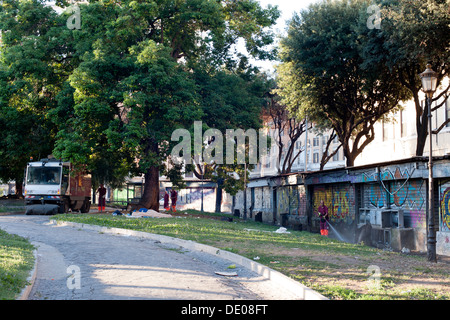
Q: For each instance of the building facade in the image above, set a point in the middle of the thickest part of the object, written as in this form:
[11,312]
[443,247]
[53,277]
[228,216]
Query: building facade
[381,201]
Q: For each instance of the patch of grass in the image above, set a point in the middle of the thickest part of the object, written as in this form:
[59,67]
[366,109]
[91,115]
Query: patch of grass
[16,262]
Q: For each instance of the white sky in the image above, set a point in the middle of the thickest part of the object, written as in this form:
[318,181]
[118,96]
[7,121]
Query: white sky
[287,8]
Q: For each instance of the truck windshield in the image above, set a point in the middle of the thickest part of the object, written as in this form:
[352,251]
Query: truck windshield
[43,175]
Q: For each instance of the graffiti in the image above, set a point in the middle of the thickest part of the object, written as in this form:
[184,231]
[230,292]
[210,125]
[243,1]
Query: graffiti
[377,197]
[339,199]
[445,210]
[386,175]
[418,219]
[283,200]
[407,195]
[292,200]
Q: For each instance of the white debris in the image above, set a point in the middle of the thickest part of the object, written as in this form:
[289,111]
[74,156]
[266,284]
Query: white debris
[281,230]
[226,274]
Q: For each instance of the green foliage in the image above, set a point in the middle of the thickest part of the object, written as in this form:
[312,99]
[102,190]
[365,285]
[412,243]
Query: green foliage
[113,91]
[325,73]
[29,82]
[416,33]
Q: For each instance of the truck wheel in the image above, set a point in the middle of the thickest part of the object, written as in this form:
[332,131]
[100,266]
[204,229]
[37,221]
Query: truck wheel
[85,207]
[63,208]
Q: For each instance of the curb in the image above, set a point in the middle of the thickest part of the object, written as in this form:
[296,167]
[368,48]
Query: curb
[30,280]
[300,291]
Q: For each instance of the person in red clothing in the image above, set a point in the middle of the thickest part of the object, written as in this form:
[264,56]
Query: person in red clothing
[173,197]
[323,215]
[101,198]
[166,201]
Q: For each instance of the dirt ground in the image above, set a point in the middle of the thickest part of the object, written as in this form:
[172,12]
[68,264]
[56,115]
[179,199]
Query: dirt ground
[389,274]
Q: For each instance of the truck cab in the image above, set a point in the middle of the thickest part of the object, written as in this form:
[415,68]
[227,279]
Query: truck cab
[52,186]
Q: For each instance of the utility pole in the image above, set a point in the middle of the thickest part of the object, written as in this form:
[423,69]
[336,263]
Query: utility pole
[245,191]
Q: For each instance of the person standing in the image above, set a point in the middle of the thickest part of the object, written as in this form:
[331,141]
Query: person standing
[166,201]
[173,197]
[323,215]
[101,198]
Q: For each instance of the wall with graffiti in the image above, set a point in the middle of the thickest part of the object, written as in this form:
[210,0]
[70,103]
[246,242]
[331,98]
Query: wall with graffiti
[262,199]
[444,210]
[340,200]
[291,200]
[408,195]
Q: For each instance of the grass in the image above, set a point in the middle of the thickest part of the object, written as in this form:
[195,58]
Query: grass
[16,262]
[336,269]
[11,205]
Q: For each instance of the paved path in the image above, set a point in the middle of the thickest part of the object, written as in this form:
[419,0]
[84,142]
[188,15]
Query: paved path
[80,264]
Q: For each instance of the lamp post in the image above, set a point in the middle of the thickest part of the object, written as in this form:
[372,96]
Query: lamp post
[245,191]
[429,81]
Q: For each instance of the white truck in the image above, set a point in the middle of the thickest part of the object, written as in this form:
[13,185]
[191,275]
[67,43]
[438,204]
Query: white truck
[52,186]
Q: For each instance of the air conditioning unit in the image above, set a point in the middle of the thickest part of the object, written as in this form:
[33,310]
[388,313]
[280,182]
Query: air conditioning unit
[392,218]
[375,217]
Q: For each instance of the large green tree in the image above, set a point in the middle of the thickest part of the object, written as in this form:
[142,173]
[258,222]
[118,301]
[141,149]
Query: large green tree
[112,92]
[415,33]
[324,75]
[143,72]
[29,83]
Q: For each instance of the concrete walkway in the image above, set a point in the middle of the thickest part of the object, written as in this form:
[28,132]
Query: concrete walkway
[84,262]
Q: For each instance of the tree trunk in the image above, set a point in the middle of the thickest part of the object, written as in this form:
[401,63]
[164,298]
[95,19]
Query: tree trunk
[349,158]
[19,189]
[150,198]
[422,131]
[219,195]
[350,162]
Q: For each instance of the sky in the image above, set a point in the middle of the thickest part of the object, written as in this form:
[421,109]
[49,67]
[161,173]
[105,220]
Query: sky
[287,8]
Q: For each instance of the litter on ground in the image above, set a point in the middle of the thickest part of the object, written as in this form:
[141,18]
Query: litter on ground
[226,274]
[148,214]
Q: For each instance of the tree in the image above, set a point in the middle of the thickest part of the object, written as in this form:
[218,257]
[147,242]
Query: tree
[137,78]
[416,33]
[113,91]
[323,74]
[284,125]
[231,99]
[29,82]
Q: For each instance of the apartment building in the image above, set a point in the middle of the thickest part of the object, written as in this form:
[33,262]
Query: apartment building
[308,149]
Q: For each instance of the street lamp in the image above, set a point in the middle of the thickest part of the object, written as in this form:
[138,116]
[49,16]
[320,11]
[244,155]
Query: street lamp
[429,82]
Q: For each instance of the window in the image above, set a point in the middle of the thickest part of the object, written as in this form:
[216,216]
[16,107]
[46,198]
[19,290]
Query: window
[447,111]
[44,175]
[316,141]
[336,139]
[315,157]
[336,156]
[386,131]
[403,124]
